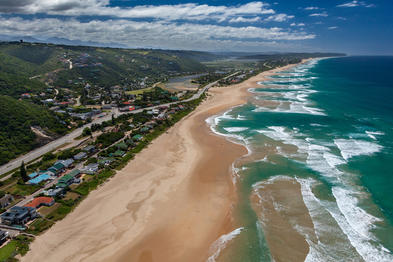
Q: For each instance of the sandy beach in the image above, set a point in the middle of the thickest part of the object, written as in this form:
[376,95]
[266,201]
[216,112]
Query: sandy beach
[168,204]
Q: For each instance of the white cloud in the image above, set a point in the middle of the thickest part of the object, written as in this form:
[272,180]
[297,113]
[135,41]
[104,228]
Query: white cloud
[186,26]
[311,8]
[356,3]
[190,11]
[279,18]
[298,24]
[147,34]
[241,19]
[332,27]
[324,14]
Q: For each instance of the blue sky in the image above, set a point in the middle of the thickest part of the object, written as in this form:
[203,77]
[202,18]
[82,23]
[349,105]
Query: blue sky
[350,26]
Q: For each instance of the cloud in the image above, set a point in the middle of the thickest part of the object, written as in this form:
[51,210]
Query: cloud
[241,19]
[332,27]
[324,14]
[356,3]
[298,24]
[186,26]
[311,8]
[190,11]
[147,34]
[279,18]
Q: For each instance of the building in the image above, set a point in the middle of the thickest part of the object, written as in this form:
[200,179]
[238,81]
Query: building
[137,137]
[74,173]
[66,181]
[80,156]
[122,146]
[6,200]
[33,175]
[118,153]
[66,163]
[40,178]
[3,236]
[89,149]
[57,168]
[18,215]
[90,169]
[41,201]
[53,192]
[105,161]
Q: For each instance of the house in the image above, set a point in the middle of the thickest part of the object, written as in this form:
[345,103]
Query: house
[6,200]
[118,153]
[17,215]
[54,192]
[40,178]
[137,137]
[130,142]
[144,129]
[89,149]
[80,156]
[33,175]
[90,168]
[122,146]
[66,163]
[3,236]
[105,161]
[57,168]
[74,173]
[66,180]
[41,201]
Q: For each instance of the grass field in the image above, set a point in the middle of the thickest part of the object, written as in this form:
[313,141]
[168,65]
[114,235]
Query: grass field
[47,210]
[7,250]
[139,91]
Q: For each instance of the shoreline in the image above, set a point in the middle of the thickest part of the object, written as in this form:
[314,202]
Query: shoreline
[168,204]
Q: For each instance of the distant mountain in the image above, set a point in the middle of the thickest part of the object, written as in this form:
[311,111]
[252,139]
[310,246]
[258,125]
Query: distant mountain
[288,55]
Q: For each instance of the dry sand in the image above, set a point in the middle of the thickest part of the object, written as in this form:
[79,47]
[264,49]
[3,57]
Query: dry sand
[168,204]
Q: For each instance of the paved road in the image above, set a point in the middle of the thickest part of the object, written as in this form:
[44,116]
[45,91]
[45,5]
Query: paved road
[69,138]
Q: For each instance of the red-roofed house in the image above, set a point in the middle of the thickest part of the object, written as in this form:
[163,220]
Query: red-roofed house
[41,201]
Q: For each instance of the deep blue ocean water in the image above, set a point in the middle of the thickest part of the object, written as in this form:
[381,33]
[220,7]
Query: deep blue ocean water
[329,125]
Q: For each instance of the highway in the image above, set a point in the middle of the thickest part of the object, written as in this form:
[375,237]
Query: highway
[70,138]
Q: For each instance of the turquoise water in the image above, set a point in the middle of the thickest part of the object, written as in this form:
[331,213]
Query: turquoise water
[329,125]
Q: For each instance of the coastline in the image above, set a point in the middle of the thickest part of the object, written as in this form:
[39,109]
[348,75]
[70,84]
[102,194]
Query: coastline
[168,204]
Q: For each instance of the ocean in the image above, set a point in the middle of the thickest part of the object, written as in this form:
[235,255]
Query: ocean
[326,128]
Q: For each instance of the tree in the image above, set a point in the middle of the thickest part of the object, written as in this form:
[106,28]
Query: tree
[113,119]
[86,132]
[23,173]
[48,156]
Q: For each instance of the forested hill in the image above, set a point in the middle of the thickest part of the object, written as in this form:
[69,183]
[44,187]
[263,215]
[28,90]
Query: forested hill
[16,119]
[25,67]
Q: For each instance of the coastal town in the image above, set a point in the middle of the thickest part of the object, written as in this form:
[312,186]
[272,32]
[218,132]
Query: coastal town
[45,190]
[99,127]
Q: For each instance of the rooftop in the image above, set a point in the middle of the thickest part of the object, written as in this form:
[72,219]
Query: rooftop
[38,201]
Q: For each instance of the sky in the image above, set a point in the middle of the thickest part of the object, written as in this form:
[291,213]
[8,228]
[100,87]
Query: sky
[349,26]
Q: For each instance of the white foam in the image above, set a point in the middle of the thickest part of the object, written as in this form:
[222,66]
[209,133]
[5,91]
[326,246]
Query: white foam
[221,243]
[373,135]
[353,221]
[235,129]
[352,147]
[213,121]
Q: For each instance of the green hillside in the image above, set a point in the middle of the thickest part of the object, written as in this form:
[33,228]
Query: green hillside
[16,119]
[27,67]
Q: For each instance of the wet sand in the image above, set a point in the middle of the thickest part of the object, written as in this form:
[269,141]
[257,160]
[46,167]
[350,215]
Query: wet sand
[168,204]
[285,219]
